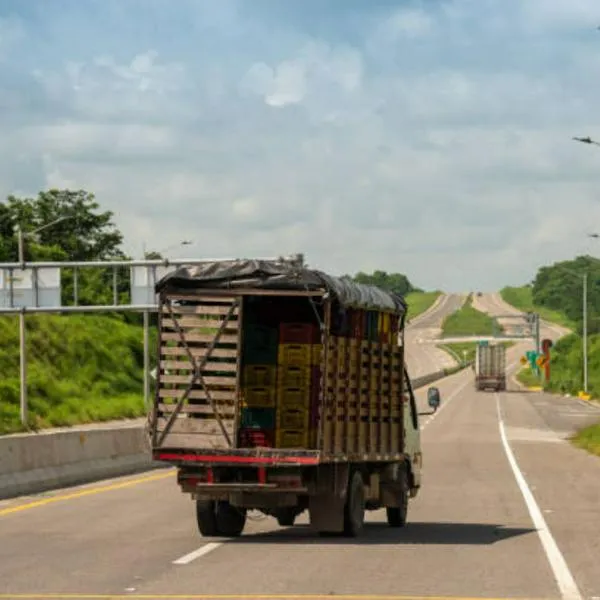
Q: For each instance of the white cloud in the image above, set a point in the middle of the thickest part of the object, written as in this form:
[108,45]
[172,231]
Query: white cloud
[317,66]
[436,143]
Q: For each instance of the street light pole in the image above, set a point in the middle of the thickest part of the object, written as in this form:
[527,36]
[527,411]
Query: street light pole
[22,330]
[585,340]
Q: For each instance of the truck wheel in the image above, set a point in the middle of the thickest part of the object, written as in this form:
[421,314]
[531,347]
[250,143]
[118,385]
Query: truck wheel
[286,517]
[206,516]
[230,519]
[396,515]
[354,509]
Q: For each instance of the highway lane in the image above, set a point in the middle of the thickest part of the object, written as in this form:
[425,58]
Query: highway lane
[494,305]
[470,532]
[423,357]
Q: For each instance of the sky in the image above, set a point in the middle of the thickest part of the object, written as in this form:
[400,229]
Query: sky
[429,138]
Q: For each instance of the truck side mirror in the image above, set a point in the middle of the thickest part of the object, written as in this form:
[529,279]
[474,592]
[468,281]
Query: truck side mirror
[433,397]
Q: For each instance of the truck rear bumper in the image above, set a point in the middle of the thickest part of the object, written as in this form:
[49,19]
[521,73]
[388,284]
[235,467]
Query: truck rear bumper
[237,457]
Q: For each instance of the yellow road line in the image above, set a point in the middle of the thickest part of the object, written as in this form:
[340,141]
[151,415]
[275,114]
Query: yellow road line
[238,597]
[80,494]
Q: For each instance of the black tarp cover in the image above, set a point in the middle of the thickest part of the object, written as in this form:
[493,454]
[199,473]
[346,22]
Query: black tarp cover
[278,275]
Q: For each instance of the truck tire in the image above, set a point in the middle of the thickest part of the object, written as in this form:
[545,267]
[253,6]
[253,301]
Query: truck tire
[286,517]
[354,508]
[206,517]
[396,515]
[230,519]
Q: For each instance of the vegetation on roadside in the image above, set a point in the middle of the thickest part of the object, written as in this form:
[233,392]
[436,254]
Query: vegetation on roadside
[81,369]
[469,321]
[522,298]
[419,302]
[588,439]
[528,378]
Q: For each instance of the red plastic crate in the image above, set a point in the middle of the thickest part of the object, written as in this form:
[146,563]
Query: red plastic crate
[255,438]
[358,324]
[299,333]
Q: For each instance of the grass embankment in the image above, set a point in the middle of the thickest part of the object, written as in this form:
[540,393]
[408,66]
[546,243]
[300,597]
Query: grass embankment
[588,439]
[522,298]
[468,321]
[419,302]
[81,369]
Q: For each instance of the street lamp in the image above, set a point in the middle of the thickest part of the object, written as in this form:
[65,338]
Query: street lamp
[586,140]
[22,235]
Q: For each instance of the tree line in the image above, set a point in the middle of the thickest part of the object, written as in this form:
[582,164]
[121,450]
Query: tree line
[560,287]
[79,230]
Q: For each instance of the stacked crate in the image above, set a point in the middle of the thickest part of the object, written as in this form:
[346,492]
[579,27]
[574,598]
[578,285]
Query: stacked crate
[298,379]
[258,386]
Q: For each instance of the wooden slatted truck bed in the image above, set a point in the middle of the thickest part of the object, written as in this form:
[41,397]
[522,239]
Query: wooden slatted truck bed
[283,389]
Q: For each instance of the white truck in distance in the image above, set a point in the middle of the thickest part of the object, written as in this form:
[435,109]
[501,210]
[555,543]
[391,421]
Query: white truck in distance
[490,367]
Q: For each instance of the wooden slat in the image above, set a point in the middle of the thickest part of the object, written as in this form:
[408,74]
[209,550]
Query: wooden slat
[199,427]
[202,309]
[209,366]
[187,323]
[199,337]
[185,380]
[226,410]
[218,297]
[195,441]
[198,394]
[198,351]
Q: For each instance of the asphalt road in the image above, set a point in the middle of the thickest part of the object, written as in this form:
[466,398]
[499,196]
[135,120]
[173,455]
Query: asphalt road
[423,357]
[471,532]
[494,305]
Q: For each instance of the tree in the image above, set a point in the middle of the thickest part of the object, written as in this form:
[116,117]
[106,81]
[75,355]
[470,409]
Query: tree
[560,286]
[86,233]
[392,282]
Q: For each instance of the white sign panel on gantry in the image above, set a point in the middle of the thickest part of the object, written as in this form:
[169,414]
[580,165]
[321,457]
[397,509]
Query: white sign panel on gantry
[30,288]
[143,280]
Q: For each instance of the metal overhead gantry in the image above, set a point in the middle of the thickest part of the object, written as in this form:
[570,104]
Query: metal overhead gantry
[36,287]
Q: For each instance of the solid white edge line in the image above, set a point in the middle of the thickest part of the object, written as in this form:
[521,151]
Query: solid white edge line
[188,558]
[562,574]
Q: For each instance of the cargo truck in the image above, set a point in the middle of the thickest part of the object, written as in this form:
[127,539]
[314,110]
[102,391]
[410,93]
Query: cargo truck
[490,367]
[283,389]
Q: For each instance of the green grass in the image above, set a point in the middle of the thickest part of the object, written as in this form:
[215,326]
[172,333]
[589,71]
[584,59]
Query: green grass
[588,439]
[468,348]
[419,302]
[521,298]
[528,378]
[81,369]
[468,321]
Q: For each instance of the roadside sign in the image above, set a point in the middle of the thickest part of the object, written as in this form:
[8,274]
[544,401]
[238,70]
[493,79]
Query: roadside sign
[524,360]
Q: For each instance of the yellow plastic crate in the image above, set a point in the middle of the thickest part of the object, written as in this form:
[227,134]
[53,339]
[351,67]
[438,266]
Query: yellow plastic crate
[260,375]
[293,397]
[292,376]
[291,438]
[292,418]
[295,354]
[259,397]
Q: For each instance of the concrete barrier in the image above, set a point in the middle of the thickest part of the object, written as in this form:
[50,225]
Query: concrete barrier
[36,462]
